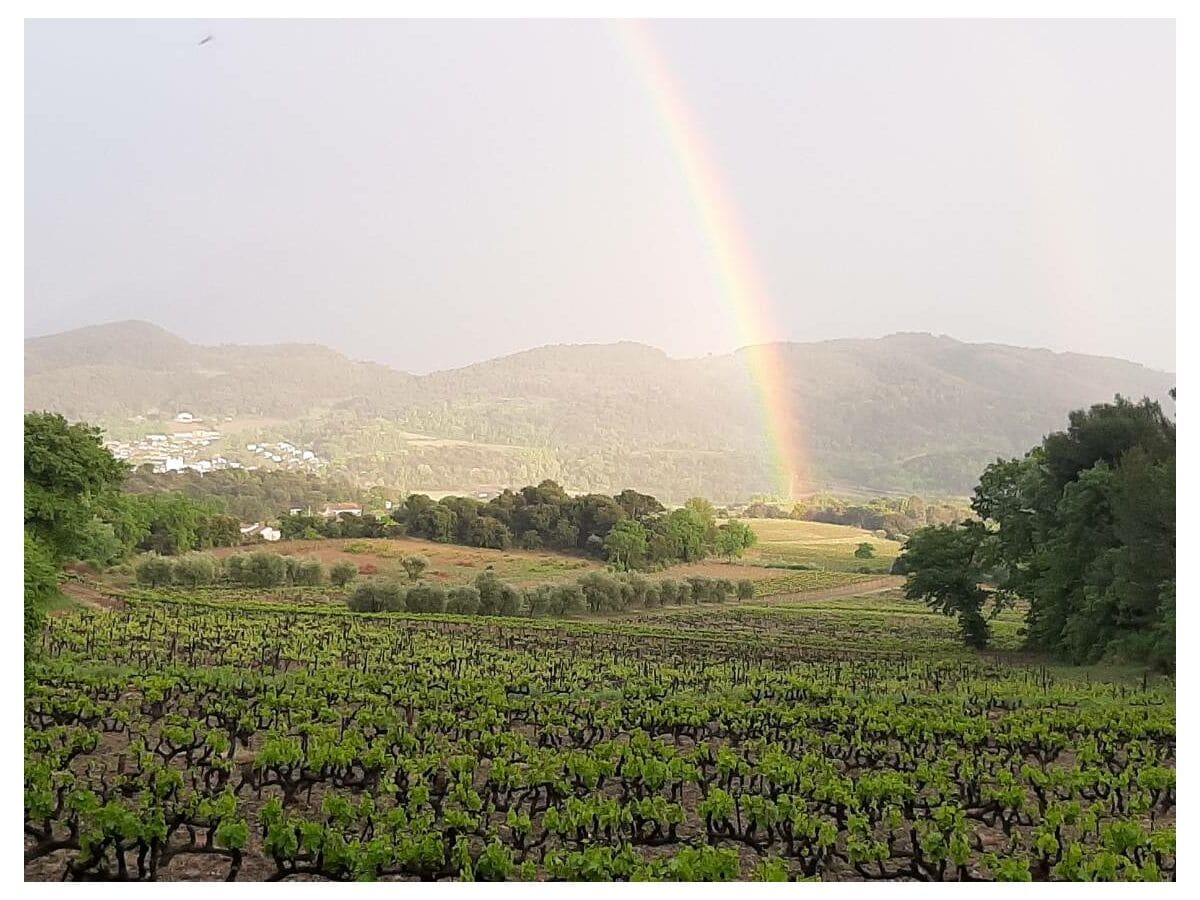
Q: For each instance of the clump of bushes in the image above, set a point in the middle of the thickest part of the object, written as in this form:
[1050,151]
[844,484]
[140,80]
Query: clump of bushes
[377,596]
[342,573]
[155,571]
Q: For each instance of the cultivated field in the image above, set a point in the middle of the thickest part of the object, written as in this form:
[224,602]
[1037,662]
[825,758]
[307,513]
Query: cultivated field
[844,738]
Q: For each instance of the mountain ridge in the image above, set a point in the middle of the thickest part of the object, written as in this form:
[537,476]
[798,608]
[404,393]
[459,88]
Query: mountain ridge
[909,411]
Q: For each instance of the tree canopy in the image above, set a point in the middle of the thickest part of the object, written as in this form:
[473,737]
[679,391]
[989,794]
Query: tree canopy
[1083,528]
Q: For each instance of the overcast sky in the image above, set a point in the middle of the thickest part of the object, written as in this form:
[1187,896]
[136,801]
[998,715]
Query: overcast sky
[431,194]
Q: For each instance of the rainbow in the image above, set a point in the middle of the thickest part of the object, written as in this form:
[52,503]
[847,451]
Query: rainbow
[741,285]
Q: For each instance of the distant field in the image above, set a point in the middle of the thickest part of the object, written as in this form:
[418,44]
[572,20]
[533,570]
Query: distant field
[829,549]
[789,542]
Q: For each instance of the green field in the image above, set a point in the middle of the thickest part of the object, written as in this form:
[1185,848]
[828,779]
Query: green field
[791,542]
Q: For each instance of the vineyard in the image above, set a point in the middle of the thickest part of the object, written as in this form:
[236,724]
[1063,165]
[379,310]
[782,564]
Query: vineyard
[235,740]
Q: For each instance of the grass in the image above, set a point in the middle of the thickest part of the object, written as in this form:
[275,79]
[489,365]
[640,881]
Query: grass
[787,542]
[59,602]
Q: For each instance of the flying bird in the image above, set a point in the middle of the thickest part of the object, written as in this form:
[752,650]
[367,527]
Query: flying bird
[207,38]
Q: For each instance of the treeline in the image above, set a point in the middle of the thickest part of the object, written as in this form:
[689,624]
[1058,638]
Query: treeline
[631,530]
[253,495]
[1082,528]
[258,569]
[593,593]
[896,517]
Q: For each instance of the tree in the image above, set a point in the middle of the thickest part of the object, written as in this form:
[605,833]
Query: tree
[1084,530]
[41,584]
[596,515]
[734,538]
[155,571]
[638,506]
[684,530]
[307,572]
[865,550]
[195,569]
[342,573]
[463,601]
[426,598]
[263,570]
[706,514]
[944,573]
[745,589]
[601,592]
[377,596]
[68,477]
[414,566]
[626,544]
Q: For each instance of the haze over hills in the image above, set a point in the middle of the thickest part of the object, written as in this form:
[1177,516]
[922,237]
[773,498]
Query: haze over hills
[908,412]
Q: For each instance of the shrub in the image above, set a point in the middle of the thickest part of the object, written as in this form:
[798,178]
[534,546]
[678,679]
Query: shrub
[377,596]
[601,592]
[637,587]
[722,590]
[745,589]
[234,566]
[865,551]
[669,591]
[263,570]
[425,598]
[700,589]
[342,573]
[463,601]
[308,572]
[653,597]
[414,566]
[155,571]
[195,569]
[539,601]
[568,600]
[508,602]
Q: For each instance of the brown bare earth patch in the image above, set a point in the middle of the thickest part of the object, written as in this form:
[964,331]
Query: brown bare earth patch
[448,563]
[88,595]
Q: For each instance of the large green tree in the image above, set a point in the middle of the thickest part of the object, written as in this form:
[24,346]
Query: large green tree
[734,538]
[69,477]
[626,544]
[1083,529]
[944,571]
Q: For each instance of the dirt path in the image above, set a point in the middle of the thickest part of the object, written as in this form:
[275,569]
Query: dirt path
[874,586]
[88,596]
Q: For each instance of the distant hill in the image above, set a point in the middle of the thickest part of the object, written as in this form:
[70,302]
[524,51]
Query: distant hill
[908,412]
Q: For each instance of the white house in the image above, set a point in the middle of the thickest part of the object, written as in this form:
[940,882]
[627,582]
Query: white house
[333,510]
[258,529]
[183,417]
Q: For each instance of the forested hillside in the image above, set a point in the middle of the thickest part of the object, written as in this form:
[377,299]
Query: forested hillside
[909,412]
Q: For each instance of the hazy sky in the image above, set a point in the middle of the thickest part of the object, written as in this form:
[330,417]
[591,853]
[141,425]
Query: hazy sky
[430,194]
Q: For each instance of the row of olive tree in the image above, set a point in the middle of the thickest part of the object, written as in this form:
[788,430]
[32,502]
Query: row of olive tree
[261,569]
[593,593]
